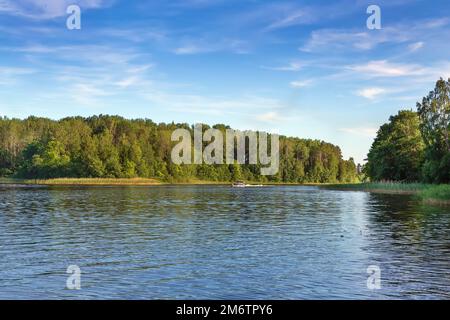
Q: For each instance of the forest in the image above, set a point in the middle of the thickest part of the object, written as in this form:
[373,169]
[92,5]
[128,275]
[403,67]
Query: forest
[414,146]
[107,146]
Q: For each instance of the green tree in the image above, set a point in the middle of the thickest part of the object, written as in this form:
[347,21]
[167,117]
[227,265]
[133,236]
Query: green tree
[398,150]
[434,112]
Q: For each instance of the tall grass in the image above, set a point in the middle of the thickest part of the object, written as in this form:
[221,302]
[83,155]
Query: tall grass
[426,192]
[436,193]
[389,186]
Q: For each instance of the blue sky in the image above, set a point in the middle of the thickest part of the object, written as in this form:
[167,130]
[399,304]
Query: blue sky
[310,69]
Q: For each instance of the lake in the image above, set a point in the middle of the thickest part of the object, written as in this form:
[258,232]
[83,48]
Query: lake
[218,242]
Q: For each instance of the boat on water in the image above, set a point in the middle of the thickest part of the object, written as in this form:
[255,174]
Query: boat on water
[242,184]
[239,184]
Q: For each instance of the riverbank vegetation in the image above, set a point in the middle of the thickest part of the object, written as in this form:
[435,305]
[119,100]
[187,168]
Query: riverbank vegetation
[431,193]
[111,147]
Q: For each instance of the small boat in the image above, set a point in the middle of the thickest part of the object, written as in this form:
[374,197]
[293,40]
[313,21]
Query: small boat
[242,184]
[239,184]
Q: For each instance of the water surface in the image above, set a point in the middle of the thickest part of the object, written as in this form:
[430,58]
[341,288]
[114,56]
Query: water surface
[217,242]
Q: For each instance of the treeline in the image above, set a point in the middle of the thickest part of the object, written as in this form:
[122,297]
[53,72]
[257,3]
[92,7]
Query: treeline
[113,147]
[415,145]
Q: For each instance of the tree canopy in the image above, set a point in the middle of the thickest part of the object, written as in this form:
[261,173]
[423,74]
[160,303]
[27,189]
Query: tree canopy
[398,150]
[434,112]
[415,146]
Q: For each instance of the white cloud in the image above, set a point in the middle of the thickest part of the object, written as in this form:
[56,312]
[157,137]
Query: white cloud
[272,16]
[136,34]
[300,83]
[362,39]
[271,117]
[212,45]
[139,68]
[336,38]
[292,66]
[87,94]
[415,46]
[248,106]
[192,49]
[10,75]
[371,93]
[95,54]
[436,23]
[9,71]
[384,68]
[127,82]
[291,19]
[353,39]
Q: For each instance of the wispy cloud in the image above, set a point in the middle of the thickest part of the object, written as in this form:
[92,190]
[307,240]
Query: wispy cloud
[274,16]
[136,34]
[193,49]
[247,106]
[384,68]
[415,46]
[302,16]
[371,93]
[362,39]
[208,46]
[127,82]
[87,94]
[301,83]
[86,53]
[292,66]
[10,75]
[351,39]
[8,71]
[270,117]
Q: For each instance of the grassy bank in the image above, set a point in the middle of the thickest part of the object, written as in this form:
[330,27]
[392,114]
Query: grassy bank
[437,194]
[430,193]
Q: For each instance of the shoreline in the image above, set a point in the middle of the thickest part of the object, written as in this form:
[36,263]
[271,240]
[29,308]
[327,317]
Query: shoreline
[133,182]
[429,194]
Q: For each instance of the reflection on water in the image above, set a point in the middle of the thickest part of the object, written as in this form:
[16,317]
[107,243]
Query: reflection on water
[216,242]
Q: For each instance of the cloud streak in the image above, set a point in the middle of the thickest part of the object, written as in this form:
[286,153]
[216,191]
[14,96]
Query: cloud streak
[384,68]
[371,93]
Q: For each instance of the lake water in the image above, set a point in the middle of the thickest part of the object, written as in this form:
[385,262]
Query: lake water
[217,242]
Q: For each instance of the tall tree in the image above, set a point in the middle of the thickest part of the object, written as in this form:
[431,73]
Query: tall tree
[434,112]
[398,150]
